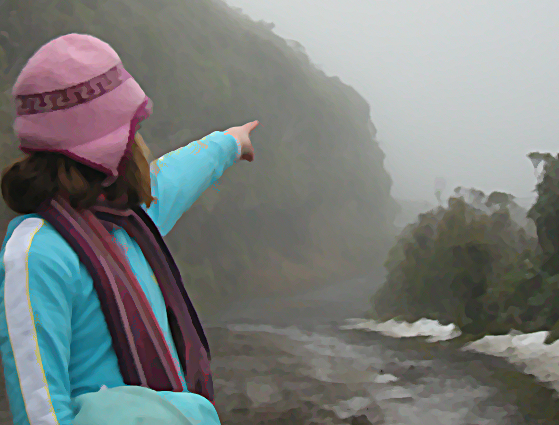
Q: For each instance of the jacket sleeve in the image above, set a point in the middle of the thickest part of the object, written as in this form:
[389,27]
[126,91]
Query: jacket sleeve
[181,176]
[36,330]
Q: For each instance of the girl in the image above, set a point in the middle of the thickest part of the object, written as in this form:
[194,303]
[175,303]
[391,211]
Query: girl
[95,323]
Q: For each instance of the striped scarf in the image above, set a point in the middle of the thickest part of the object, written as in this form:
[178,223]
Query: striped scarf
[144,357]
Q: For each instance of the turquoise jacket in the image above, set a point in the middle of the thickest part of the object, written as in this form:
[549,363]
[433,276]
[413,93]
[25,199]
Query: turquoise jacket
[54,340]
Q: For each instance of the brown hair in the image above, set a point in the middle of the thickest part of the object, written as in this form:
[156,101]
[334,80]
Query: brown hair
[39,176]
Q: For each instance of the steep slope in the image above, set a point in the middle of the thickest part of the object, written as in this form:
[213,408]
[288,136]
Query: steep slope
[314,206]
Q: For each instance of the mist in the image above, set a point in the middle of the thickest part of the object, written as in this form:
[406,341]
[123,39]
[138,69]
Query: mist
[314,208]
[461,90]
[304,265]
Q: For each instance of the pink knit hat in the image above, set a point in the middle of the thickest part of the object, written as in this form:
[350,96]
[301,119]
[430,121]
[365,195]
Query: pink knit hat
[74,97]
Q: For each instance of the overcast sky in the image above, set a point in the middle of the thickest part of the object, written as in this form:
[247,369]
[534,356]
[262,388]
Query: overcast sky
[461,89]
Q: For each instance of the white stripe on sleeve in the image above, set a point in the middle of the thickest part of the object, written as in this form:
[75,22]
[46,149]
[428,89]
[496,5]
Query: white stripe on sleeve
[21,325]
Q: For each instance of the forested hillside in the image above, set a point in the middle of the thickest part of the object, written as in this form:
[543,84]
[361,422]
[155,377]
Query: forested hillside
[314,206]
[481,262]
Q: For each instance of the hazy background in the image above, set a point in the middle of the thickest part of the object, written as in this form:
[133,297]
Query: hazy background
[313,209]
[458,89]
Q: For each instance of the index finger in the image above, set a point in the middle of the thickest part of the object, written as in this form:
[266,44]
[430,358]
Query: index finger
[251,125]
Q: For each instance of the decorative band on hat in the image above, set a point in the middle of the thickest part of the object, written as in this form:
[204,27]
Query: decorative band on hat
[58,100]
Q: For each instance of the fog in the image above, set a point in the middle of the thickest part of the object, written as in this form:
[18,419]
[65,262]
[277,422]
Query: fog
[461,90]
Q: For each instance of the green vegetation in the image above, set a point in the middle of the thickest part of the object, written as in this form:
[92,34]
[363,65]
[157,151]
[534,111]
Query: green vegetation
[480,262]
[315,204]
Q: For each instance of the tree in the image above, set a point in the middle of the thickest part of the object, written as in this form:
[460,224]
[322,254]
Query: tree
[545,211]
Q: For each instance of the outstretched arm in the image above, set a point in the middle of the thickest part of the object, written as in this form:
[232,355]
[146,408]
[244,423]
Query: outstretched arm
[181,176]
